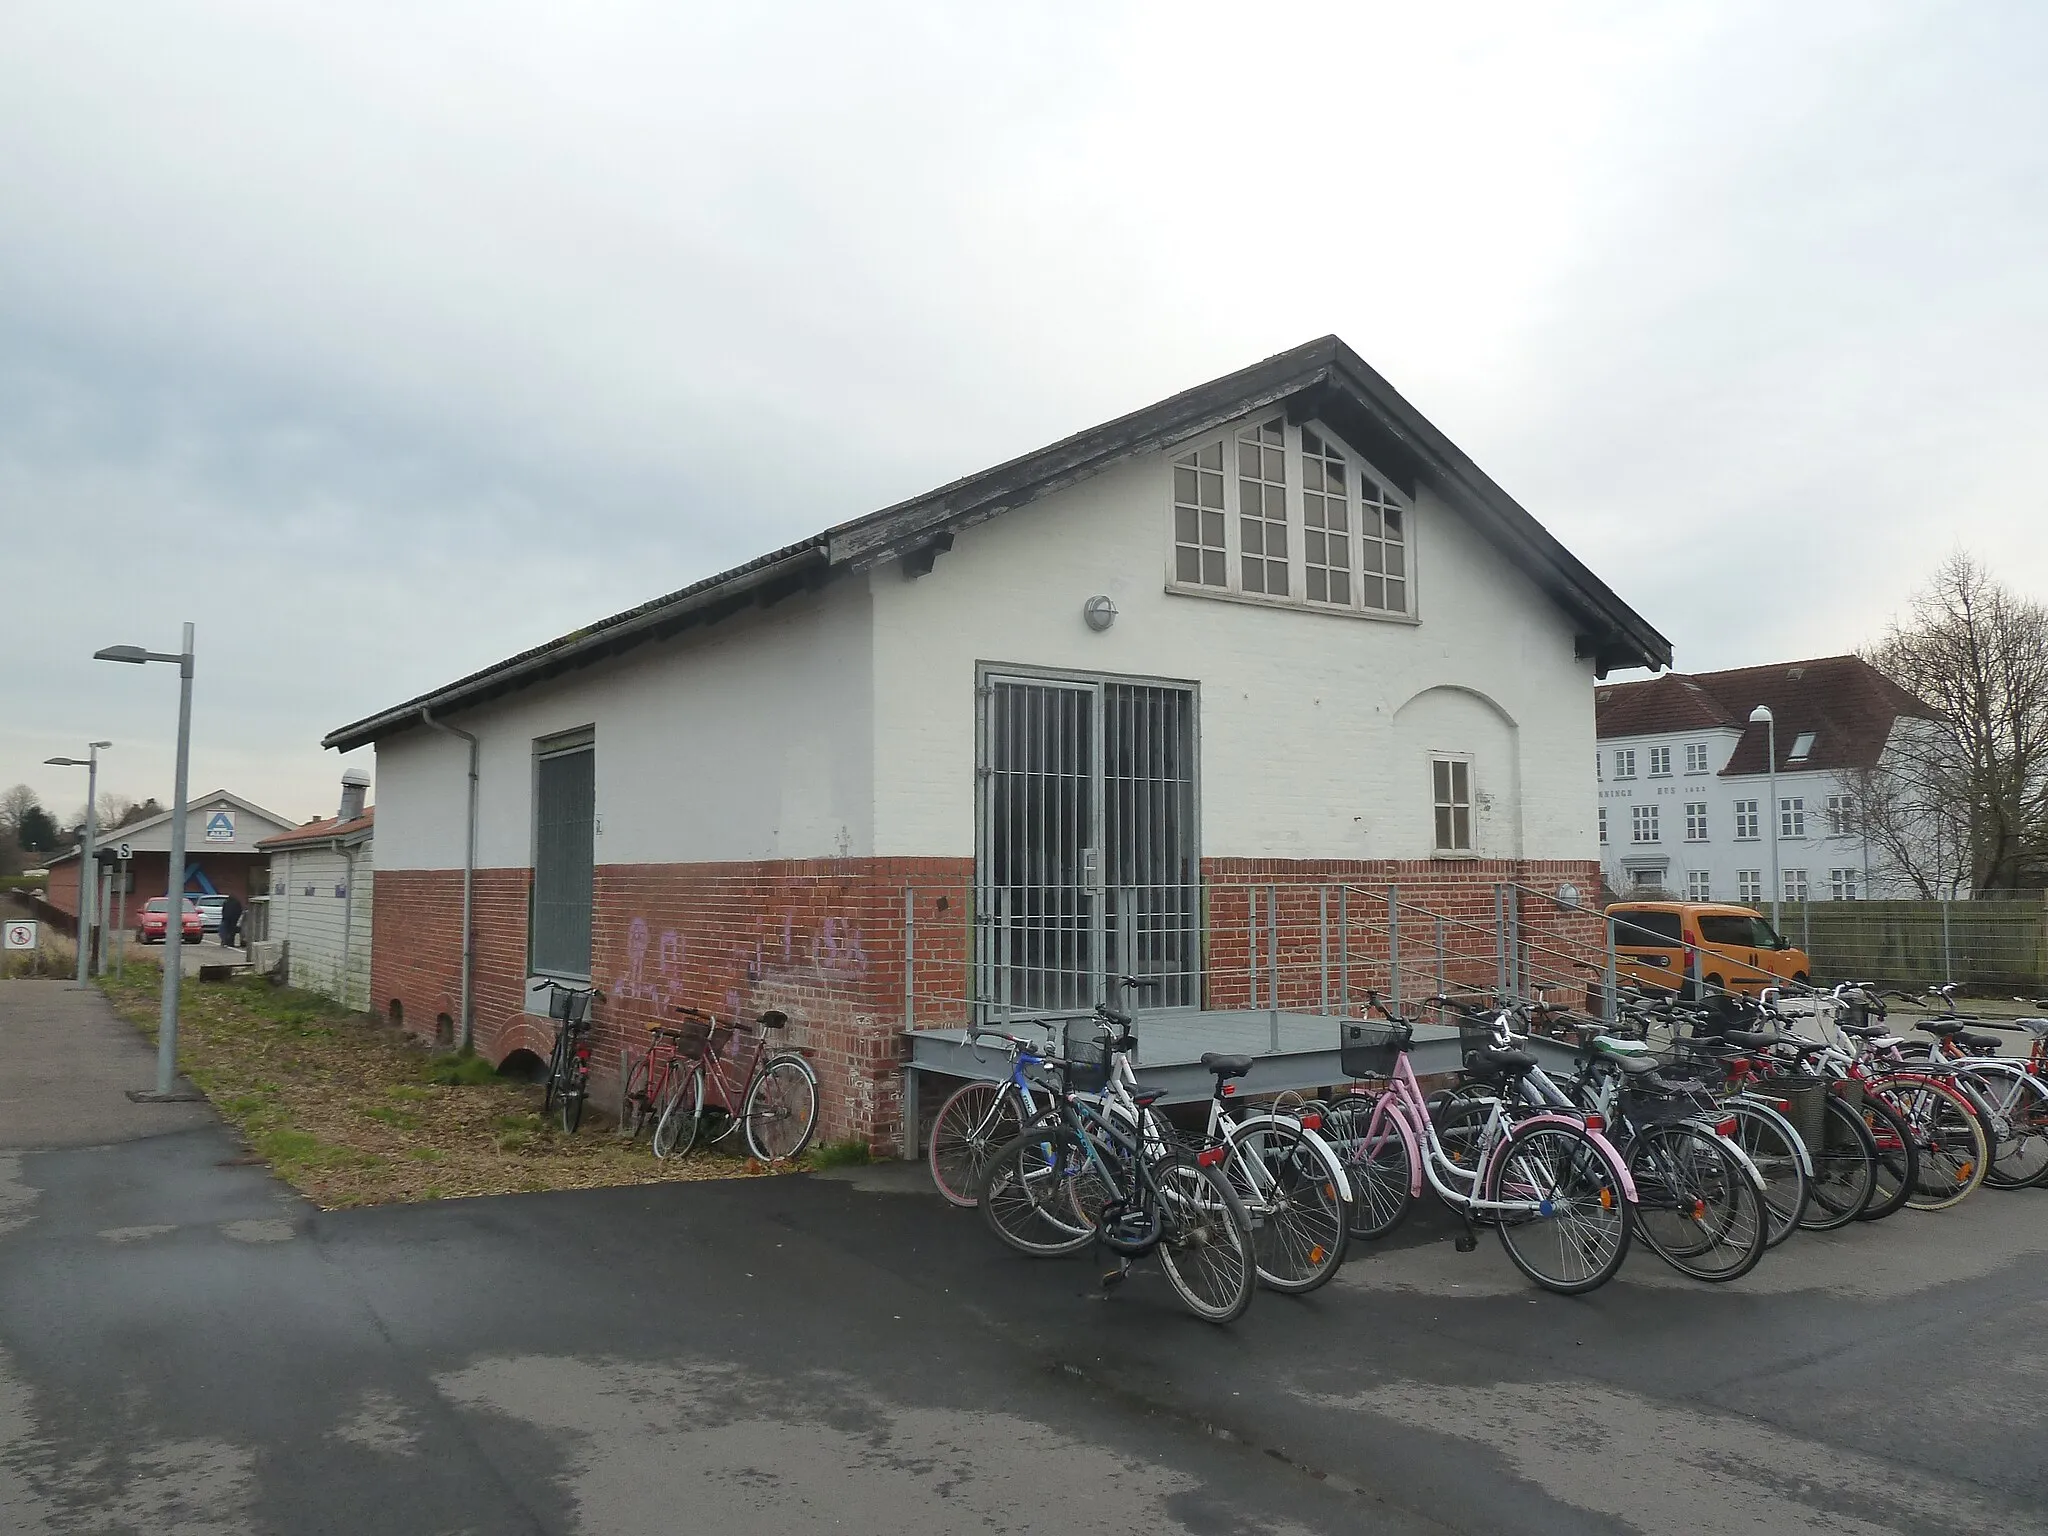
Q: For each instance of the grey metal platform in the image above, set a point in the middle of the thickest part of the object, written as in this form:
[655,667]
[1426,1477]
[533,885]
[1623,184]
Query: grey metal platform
[1291,1050]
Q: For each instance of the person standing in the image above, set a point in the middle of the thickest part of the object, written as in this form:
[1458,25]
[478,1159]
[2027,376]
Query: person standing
[231,922]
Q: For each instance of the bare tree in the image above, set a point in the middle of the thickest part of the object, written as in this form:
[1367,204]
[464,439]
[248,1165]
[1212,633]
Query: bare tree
[114,809]
[15,804]
[1963,799]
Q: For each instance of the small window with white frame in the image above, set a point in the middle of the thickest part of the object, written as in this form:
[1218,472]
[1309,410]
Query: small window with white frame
[1748,821]
[1451,779]
[1660,762]
[1644,823]
[1625,763]
[1696,757]
[1795,885]
[1603,823]
[1792,816]
[1262,509]
[1696,821]
[1749,885]
[1841,813]
[1845,884]
[1200,555]
[1699,885]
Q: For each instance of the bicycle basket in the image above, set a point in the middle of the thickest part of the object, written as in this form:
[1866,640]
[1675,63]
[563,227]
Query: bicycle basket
[690,1037]
[1474,1035]
[1371,1047]
[1684,1100]
[1805,1103]
[1087,1056]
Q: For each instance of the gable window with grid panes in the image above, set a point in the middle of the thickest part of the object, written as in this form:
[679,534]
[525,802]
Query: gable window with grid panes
[1287,514]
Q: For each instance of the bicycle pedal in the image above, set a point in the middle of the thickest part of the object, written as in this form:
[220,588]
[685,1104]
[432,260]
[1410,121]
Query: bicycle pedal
[1467,1242]
[1117,1276]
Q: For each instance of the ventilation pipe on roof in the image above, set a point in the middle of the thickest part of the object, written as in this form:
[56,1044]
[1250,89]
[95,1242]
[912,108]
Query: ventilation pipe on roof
[467,1040]
[355,790]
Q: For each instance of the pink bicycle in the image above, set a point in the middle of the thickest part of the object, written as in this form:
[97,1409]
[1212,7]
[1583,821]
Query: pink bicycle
[1549,1182]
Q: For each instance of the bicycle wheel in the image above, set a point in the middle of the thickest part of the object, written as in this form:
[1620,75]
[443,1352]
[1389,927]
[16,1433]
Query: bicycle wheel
[1845,1172]
[1024,1197]
[975,1119]
[554,1078]
[1947,1134]
[634,1108]
[1205,1244]
[676,1131]
[1696,1206]
[1898,1160]
[1771,1145]
[1576,1239]
[574,1090]
[1377,1165]
[1280,1178]
[781,1109]
[2019,1160]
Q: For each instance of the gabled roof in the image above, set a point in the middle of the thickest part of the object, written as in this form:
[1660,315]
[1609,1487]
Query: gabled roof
[1847,705]
[331,829]
[1673,702]
[1322,380]
[193,803]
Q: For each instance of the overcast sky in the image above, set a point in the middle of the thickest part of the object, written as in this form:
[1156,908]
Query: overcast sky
[384,341]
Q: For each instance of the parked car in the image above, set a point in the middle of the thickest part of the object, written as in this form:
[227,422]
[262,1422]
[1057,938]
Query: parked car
[209,911]
[153,925]
[1655,941]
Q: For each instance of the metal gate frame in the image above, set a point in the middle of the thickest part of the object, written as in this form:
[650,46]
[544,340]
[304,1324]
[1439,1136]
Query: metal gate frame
[990,918]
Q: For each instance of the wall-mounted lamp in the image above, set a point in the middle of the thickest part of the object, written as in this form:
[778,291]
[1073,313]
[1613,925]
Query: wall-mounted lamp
[1099,612]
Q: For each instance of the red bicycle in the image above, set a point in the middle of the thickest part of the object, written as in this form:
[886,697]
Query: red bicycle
[654,1080]
[776,1091]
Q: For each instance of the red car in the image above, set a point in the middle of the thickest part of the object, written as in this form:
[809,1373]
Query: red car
[153,922]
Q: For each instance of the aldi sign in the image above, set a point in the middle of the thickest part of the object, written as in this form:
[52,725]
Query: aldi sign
[220,827]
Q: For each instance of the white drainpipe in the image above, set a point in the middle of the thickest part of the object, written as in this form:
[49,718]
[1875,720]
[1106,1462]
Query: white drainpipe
[348,916]
[468,1025]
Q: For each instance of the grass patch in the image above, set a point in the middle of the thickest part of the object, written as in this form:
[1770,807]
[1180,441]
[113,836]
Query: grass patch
[351,1112]
[459,1071]
[850,1153]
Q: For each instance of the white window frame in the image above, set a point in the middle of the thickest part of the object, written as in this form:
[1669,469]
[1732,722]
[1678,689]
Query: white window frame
[1840,811]
[1453,762]
[1699,885]
[1791,816]
[1296,597]
[1642,814]
[1696,821]
[1660,762]
[1748,813]
[1625,762]
[1797,887]
[1696,757]
[1603,826]
[1749,885]
[1845,884]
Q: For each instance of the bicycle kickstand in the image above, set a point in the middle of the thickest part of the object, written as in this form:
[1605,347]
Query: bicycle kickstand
[1467,1239]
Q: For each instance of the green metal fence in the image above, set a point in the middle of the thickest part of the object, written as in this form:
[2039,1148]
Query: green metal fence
[1995,944]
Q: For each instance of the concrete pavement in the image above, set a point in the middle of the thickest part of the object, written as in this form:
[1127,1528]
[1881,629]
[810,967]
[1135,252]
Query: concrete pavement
[186,1346]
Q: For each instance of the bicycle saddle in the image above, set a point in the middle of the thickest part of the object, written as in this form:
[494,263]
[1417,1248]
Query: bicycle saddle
[1225,1066]
[1753,1039]
[1145,1098]
[1864,1031]
[1951,1029]
[1493,1062]
[1635,1066]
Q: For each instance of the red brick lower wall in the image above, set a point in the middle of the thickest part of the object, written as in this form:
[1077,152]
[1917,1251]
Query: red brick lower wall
[824,941]
[149,875]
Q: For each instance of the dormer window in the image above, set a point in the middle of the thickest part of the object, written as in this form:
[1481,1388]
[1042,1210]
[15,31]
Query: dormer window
[1274,512]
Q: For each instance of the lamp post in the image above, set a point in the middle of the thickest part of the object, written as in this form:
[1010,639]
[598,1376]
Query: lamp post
[88,871]
[174,905]
[1762,715]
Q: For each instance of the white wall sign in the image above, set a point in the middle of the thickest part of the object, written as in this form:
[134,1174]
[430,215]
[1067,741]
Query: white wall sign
[16,935]
[220,827]
[124,853]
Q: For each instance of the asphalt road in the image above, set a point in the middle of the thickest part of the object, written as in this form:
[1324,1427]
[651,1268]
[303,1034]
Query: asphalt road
[187,1347]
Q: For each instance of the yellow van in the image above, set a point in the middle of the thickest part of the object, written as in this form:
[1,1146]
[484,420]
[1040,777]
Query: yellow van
[1654,944]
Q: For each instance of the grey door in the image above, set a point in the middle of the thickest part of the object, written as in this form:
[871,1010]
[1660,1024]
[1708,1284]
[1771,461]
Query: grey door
[1087,864]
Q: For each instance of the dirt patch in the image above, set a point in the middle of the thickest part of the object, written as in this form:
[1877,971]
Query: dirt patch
[350,1112]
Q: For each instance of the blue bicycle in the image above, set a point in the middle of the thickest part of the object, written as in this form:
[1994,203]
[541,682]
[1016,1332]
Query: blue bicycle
[982,1115]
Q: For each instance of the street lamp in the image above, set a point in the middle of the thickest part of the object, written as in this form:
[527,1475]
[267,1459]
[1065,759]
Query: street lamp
[174,906]
[88,871]
[1762,715]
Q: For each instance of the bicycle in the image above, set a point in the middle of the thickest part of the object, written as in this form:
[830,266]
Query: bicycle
[2012,1098]
[1149,1194]
[568,1082]
[777,1092]
[655,1078]
[1558,1192]
[980,1116]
